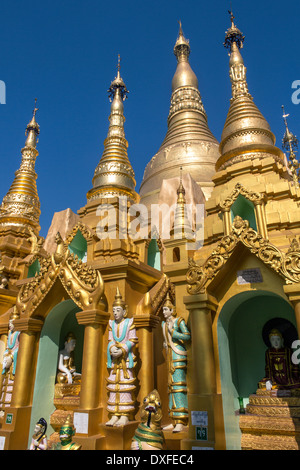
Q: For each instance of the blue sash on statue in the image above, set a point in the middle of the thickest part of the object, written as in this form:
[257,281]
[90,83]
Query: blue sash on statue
[119,339]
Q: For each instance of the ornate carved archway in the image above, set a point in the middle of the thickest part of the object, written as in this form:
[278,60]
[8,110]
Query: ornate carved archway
[287,265]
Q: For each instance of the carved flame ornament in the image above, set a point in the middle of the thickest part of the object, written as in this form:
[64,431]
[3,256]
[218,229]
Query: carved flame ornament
[286,265]
[83,284]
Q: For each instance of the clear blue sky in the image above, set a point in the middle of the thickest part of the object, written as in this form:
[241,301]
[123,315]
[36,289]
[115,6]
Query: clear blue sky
[65,54]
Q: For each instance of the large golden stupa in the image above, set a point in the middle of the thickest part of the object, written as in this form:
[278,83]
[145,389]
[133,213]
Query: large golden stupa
[189,142]
[116,334]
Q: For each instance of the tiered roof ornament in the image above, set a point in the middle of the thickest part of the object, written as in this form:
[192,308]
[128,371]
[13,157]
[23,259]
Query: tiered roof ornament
[21,206]
[114,175]
[246,134]
[290,144]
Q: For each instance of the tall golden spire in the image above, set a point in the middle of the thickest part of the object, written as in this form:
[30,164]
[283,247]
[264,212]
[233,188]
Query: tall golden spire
[290,144]
[21,205]
[188,142]
[114,175]
[181,226]
[246,133]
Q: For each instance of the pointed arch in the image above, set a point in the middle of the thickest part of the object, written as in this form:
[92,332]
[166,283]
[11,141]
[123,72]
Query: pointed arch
[286,265]
[247,204]
[83,284]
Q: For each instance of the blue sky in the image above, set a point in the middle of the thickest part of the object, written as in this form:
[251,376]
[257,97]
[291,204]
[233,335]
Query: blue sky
[64,53]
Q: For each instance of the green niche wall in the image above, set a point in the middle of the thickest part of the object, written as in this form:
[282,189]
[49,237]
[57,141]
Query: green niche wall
[34,268]
[57,323]
[78,245]
[245,209]
[242,350]
[154,255]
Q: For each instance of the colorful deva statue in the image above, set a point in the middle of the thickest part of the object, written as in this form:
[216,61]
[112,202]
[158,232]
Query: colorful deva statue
[66,434]
[12,346]
[176,334]
[39,438]
[121,363]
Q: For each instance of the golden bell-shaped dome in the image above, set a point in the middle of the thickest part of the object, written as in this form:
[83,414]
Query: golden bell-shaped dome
[246,133]
[189,142]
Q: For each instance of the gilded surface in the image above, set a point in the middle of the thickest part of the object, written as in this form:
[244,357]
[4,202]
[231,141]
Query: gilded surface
[83,284]
[286,265]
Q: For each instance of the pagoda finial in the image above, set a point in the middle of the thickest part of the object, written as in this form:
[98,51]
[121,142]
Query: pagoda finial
[290,144]
[35,108]
[182,46]
[233,34]
[118,85]
[180,190]
[21,205]
[180,28]
[114,173]
[32,129]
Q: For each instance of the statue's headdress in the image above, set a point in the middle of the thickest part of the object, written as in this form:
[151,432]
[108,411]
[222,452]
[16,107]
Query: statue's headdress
[275,332]
[168,303]
[43,425]
[14,314]
[68,427]
[119,302]
[69,337]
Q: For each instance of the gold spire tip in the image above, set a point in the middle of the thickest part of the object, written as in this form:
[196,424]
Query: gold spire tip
[35,108]
[180,28]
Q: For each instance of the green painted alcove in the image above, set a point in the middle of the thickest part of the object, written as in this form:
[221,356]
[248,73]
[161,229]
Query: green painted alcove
[34,268]
[78,245]
[154,255]
[245,209]
[60,320]
[242,350]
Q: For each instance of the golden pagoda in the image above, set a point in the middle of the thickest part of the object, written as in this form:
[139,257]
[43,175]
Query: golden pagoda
[144,338]
[189,142]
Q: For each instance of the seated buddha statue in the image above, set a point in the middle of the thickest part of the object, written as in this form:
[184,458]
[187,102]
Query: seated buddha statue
[280,372]
[66,368]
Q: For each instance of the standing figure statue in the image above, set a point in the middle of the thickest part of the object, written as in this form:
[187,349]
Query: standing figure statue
[12,347]
[176,334]
[66,367]
[121,362]
[39,438]
[280,372]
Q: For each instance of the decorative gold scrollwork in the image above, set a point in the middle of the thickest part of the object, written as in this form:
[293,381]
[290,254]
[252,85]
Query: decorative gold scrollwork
[286,265]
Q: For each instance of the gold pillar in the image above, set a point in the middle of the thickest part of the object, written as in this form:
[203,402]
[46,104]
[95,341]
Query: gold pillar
[261,225]
[24,378]
[144,325]
[293,293]
[3,338]
[95,322]
[15,430]
[227,221]
[202,386]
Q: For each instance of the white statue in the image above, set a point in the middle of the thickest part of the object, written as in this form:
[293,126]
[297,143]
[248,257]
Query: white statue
[67,371]
[39,438]
[12,348]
